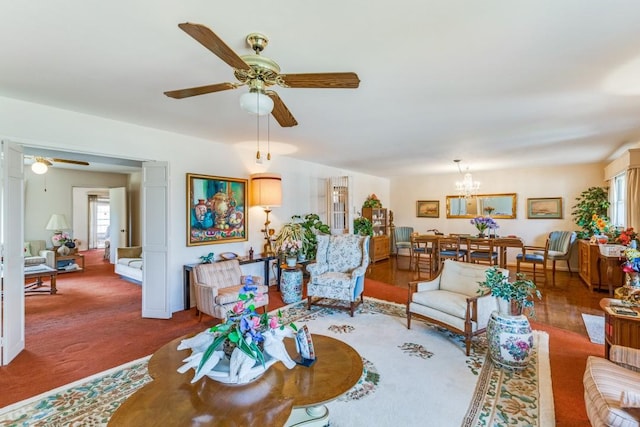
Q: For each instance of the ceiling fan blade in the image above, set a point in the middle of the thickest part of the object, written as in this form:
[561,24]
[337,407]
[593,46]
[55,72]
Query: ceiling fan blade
[73,162]
[208,39]
[200,90]
[280,111]
[321,80]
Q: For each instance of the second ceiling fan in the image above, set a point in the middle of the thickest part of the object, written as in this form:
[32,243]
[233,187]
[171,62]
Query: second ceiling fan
[259,73]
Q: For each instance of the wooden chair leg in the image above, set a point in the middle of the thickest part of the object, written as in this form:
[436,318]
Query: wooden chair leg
[199,316]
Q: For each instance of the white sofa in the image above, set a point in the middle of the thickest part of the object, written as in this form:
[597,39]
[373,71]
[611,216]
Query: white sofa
[129,263]
[36,253]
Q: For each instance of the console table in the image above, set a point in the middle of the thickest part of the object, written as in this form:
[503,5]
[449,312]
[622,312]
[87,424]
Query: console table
[187,269]
[75,257]
[279,397]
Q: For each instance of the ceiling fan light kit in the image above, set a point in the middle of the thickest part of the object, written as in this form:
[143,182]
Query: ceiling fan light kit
[259,73]
[256,102]
[40,166]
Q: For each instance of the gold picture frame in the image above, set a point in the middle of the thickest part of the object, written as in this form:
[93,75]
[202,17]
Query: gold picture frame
[544,208]
[216,209]
[428,208]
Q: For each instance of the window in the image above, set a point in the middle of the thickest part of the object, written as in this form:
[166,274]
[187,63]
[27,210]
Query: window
[618,200]
[338,204]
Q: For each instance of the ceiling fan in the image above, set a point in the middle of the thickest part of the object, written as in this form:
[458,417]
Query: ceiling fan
[41,164]
[259,73]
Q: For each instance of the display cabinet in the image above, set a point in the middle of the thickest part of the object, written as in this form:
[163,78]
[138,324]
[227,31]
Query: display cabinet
[380,242]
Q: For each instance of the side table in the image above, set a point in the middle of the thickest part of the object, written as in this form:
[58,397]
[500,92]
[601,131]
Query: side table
[619,329]
[291,283]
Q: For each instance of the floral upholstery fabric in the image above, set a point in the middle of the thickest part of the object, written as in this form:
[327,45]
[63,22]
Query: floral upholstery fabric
[341,263]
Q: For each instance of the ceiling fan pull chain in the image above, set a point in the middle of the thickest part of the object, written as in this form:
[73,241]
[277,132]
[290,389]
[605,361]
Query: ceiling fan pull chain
[258,160]
[268,137]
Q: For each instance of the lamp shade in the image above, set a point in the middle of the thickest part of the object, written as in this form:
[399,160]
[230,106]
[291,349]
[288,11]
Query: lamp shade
[266,189]
[256,102]
[57,222]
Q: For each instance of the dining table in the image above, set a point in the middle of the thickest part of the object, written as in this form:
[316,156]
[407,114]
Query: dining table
[502,243]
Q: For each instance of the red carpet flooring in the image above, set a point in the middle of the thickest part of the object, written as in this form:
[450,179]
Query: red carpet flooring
[94,323]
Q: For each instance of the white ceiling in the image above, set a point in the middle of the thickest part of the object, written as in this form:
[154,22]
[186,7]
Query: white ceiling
[498,84]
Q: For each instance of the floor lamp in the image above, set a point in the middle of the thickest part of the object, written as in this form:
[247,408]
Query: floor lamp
[266,191]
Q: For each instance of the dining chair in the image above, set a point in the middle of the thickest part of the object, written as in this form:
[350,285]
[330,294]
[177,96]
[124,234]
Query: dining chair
[422,245]
[449,248]
[560,245]
[503,244]
[535,256]
[482,251]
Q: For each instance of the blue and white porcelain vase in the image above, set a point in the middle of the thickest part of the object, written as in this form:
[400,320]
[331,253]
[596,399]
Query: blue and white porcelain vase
[510,338]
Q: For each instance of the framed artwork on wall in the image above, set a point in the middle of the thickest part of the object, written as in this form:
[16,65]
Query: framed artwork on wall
[216,209]
[428,209]
[544,208]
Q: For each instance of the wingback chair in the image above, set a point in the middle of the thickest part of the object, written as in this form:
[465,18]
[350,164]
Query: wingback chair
[218,286]
[452,301]
[338,273]
[560,244]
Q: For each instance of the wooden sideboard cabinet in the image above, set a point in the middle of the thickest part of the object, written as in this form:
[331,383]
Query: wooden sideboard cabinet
[379,248]
[588,258]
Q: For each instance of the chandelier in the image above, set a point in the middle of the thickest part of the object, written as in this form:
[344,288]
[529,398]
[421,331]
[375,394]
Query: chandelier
[467,187]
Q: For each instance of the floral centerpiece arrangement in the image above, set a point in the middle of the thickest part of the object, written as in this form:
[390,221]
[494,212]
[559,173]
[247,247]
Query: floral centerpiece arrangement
[632,264]
[630,292]
[627,236]
[60,239]
[372,202]
[244,329]
[290,248]
[482,223]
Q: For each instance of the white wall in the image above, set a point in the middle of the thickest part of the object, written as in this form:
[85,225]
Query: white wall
[39,125]
[53,193]
[563,181]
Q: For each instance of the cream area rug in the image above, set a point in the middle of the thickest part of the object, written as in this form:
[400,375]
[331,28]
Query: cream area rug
[417,377]
[595,327]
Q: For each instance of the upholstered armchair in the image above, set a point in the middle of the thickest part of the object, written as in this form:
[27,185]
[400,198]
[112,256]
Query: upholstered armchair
[452,301]
[612,388]
[338,273]
[218,286]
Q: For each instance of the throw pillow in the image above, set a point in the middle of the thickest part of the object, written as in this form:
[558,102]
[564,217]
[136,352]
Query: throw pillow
[27,249]
[630,399]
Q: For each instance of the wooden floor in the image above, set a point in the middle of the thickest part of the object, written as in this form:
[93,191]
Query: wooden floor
[562,305]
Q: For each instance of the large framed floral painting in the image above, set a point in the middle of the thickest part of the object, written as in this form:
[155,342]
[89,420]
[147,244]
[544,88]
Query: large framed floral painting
[216,209]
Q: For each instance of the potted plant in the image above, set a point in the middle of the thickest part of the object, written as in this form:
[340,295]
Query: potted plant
[372,201]
[311,226]
[362,226]
[517,295]
[290,232]
[593,201]
[509,332]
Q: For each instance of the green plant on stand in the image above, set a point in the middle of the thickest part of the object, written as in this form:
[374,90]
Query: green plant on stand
[311,226]
[592,201]
[519,293]
[362,226]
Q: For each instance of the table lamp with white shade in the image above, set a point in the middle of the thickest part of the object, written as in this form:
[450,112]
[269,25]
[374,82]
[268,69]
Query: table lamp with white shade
[57,223]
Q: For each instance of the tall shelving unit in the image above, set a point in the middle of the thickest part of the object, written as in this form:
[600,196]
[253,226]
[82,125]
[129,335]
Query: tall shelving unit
[380,244]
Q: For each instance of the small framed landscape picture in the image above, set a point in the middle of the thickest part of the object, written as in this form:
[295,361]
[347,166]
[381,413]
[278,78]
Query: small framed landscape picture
[428,208]
[544,208]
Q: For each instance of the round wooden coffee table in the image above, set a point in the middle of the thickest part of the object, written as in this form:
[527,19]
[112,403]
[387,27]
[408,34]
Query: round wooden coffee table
[278,396]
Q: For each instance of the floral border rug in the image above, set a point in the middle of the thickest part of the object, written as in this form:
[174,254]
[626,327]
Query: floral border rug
[411,377]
